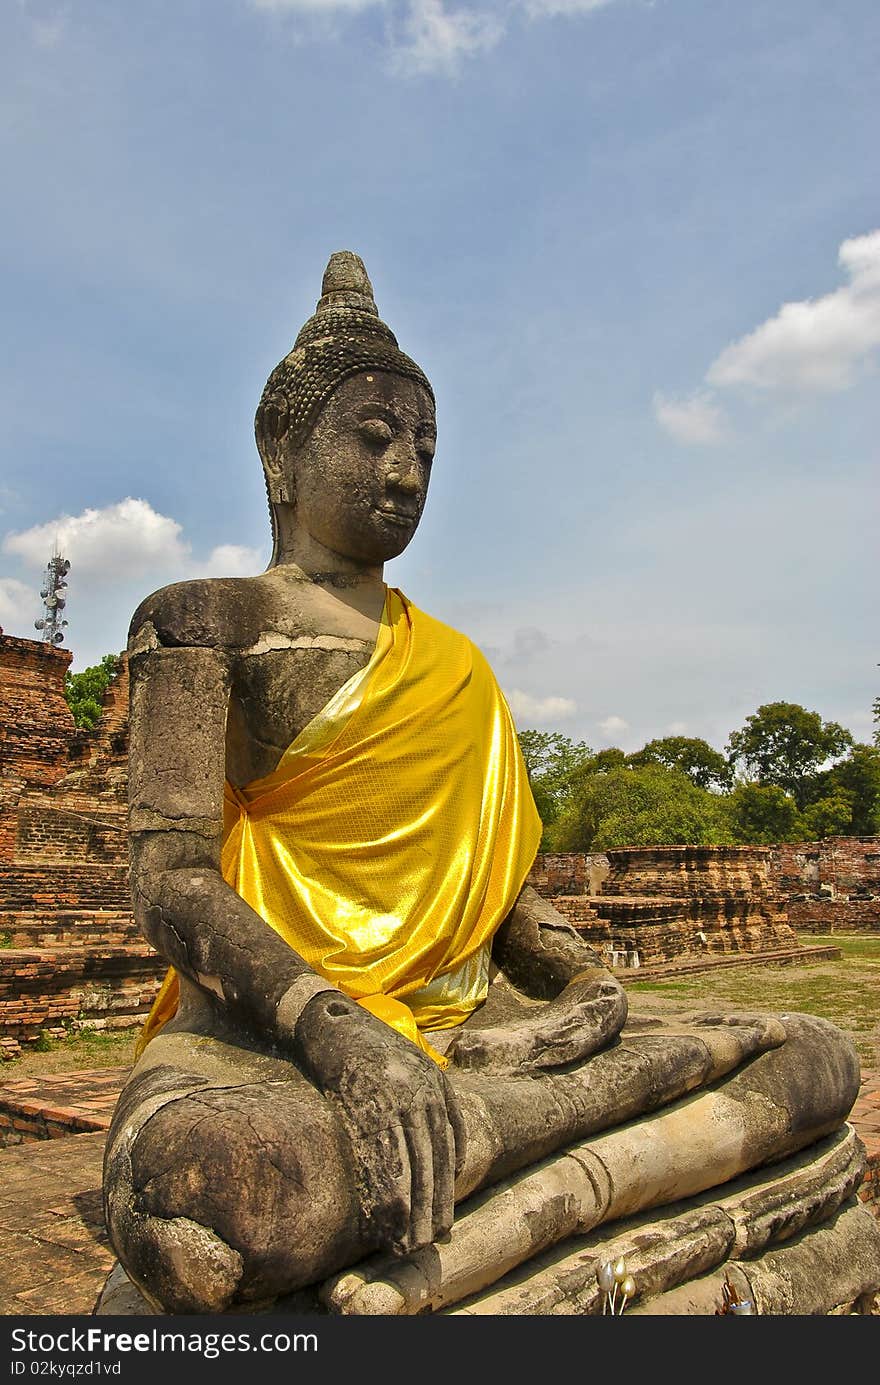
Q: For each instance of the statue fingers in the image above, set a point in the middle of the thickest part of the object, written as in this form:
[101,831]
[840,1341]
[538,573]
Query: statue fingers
[388,1188]
[425,1199]
[457,1127]
[420,1140]
[444,1146]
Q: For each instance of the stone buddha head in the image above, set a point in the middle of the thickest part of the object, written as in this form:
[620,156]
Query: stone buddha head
[346,428]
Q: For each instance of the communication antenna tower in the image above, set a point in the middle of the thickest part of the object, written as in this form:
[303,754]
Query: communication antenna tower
[54,601]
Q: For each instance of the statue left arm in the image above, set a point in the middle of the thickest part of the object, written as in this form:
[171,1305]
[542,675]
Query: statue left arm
[542,955]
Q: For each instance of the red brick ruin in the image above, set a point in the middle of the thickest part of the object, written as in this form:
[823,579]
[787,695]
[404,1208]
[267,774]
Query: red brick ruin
[660,904]
[70,955]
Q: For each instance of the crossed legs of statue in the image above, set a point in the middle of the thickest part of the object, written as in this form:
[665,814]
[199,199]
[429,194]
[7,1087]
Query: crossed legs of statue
[230,1181]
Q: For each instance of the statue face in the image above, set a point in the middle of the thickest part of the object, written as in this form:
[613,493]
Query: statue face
[361,477]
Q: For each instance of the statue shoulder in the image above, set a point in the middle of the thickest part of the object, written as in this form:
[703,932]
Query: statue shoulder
[448,635]
[220,613]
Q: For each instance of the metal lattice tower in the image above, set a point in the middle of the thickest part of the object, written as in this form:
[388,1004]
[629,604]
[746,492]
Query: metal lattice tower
[54,600]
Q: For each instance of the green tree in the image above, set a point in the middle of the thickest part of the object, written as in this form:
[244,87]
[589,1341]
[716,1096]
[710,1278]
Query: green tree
[609,758]
[647,805]
[762,814]
[704,766]
[828,817]
[856,780]
[552,762]
[84,691]
[784,744]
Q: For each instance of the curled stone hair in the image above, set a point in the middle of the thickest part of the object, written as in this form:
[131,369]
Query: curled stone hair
[345,335]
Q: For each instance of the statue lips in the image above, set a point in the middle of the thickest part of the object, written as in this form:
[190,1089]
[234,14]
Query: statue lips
[405,518]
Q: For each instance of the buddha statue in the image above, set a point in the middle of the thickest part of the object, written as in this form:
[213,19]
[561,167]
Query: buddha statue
[383,1073]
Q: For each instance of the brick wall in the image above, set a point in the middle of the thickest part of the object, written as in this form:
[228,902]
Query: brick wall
[70,954]
[102,987]
[835,915]
[36,724]
[850,865]
[823,887]
[568,872]
[832,886]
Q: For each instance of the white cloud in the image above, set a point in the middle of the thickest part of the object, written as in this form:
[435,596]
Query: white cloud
[129,535]
[118,555]
[19,606]
[434,39]
[128,539]
[613,726]
[817,344]
[697,419]
[530,641]
[424,36]
[528,710]
[550,9]
[47,29]
[229,560]
[48,33]
[677,728]
[315,7]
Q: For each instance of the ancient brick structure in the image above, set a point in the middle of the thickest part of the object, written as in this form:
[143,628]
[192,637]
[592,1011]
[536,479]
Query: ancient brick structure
[652,905]
[830,886]
[674,902]
[69,951]
[36,725]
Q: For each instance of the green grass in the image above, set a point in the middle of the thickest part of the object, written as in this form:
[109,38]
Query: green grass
[667,987]
[845,990]
[863,945]
[81,1049]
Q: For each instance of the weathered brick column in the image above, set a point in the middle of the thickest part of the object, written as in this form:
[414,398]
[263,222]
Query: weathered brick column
[36,724]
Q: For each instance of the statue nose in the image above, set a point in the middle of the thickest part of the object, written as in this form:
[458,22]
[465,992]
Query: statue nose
[403,474]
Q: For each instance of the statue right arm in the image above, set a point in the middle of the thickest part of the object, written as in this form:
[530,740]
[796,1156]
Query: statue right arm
[179,699]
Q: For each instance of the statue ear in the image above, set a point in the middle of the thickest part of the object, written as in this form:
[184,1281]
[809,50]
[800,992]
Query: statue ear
[270,427]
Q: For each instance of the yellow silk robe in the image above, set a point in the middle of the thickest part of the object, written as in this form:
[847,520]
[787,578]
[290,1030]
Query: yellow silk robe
[396,832]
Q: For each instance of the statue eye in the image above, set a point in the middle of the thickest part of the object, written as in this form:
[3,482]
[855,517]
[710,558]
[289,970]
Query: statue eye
[426,447]
[376,430]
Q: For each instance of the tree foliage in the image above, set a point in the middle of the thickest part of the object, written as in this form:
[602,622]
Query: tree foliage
[552,762]
[646,805]
[856,782]
[830,816]
[762,814]
[84,691]
[783,744]
[704,766]
[804,779]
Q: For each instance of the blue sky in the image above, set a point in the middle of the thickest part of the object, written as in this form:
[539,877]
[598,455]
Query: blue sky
[635,246]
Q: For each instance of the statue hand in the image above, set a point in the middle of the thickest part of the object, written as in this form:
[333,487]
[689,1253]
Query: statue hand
[400,1115]
[585,1016]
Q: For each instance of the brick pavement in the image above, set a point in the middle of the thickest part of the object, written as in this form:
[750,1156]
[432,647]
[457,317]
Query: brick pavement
[64,1103]
[53,1245]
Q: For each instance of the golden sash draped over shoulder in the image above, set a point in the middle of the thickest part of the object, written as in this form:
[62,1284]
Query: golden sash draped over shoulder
[395,834]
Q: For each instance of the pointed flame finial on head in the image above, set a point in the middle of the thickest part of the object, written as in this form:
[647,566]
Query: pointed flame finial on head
[346,284]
